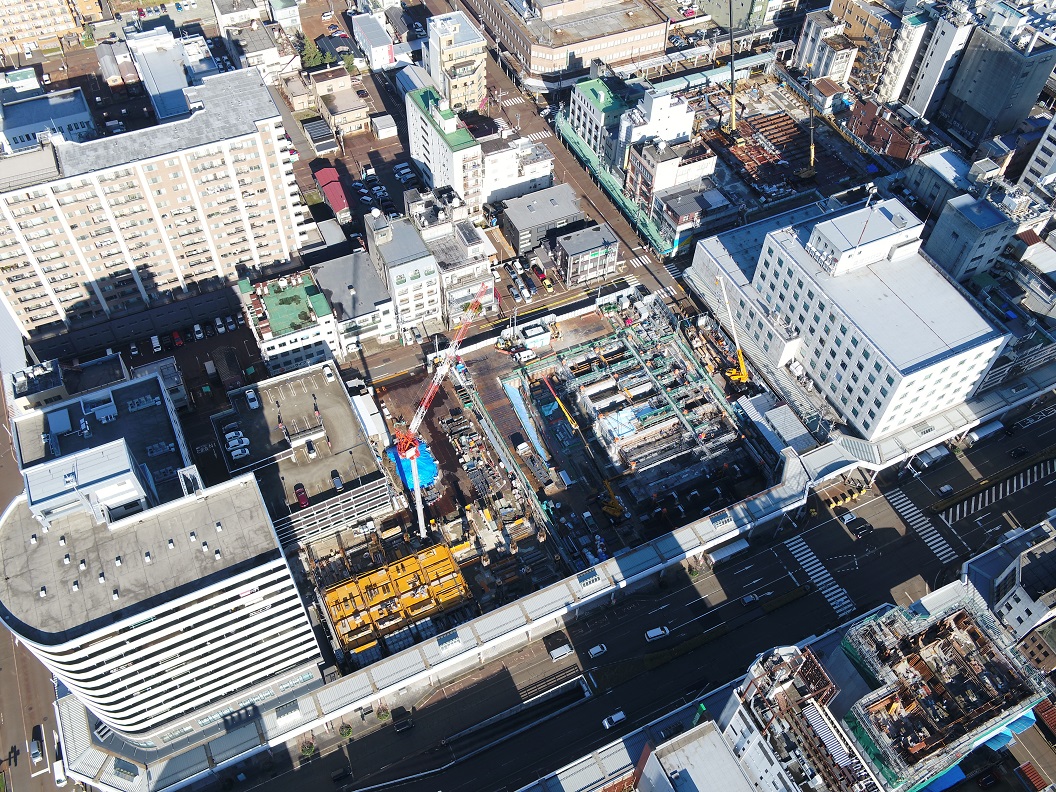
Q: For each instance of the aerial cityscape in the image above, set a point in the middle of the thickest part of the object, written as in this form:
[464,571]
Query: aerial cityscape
[528,395]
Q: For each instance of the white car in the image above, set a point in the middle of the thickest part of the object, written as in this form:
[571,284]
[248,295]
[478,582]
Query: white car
[328,374]
[238,442]
[220,325]
[251,400]
[598,651]
[233,436]
[238,453]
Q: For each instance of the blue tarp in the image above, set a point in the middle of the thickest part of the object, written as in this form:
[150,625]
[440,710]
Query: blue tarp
[426,467]
[948,779]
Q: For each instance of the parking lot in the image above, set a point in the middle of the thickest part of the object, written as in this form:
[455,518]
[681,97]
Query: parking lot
[305,422]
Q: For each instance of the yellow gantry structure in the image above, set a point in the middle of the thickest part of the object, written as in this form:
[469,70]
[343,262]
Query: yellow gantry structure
[385,600]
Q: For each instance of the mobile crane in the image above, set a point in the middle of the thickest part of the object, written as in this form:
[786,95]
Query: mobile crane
[407,440]
[740,373]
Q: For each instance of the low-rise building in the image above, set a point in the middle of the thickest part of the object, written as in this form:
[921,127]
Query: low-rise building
[61,113]
[586,255]
[686,213]
[527,221]
[291,321]
[408,268]
[169,65]
[170,376]
[338,102]
[363,309]
[655,166]
[334,194]
[658,115]
[514,166]
[265,47]
[885,132]
[37,386]
[373,40]
[463,252]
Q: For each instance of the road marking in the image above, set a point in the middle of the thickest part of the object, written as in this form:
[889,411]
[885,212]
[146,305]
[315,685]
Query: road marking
[511,102]
[833,592]
[535,137]
[921,525]
[999,490]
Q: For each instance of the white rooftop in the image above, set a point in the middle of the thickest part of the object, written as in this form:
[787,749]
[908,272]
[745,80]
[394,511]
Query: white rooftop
[949,165]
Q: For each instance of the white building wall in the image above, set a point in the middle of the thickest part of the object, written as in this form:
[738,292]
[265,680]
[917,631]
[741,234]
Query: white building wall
[1041,170]
[899,65]
[416,291]
[939,65]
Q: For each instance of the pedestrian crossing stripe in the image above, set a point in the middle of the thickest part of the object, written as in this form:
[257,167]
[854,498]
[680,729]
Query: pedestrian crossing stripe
[537,136]
[673,270]
[1001,489]
[513,101]
[639,261]
[921,525]
[833,592]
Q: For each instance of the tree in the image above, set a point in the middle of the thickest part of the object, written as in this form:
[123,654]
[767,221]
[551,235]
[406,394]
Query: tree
[311,56]
[328,57]
[349,63]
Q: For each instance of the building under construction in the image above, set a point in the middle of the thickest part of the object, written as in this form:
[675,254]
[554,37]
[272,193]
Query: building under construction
[395,602]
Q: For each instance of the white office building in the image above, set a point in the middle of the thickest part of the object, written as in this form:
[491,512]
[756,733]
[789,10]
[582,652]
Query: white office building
[849,303]
[950,31]
[444,151]
[150,597]
[823,49]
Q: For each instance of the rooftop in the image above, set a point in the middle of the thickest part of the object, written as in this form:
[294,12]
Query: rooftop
[428,102]
[132,557]
[405,246]
[351,286]
[252,39]
[601,97]
[542,207]
[48,110]
[232,105]
[226,7]
[980,213]
[35,379]
[839,43]
[290,303]
[161,61]
[601,19]
[457,24]
[682,200]
[369,30]
[950,166]
[906,307]
[330,183]
[587,239]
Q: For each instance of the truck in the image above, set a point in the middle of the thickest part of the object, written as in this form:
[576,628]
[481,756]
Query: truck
[984,431]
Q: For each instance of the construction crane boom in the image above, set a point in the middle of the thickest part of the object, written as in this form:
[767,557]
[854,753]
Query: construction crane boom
[740,373]
[407,440]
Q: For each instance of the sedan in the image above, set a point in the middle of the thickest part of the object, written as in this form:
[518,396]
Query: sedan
[363,94]
[251,400]
[238,442]
[230,322]
[179,6]
[238,453]
[1018,452]
[328,373]
[332,28]
[364,199]
[302,495]
[176,338]
[235,435]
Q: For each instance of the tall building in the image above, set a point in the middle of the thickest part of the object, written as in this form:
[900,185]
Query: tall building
[408,269]
[871,28]
[147,595]
[823,49]
[456,56]
[937,59]
[29,28]
[444,151]
[594,114]
[848,302]
[1041,169]
[550,43]
[111,226]
[1000,77]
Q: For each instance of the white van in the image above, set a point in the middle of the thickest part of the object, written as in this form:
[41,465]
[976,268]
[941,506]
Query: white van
[155,343]
[657,633]
[613,719]
[525,355]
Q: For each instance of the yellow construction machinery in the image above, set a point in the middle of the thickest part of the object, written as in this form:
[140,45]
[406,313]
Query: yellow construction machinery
[561,404]
[731,128]
[740,373]
[612,505]
[809,172]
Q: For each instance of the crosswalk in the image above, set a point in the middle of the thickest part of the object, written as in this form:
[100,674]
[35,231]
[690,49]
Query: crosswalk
[535,137]
[833,592]
[923,526]
[631,280]
[639,261]
[673,269]
[1001,489]
[516,100]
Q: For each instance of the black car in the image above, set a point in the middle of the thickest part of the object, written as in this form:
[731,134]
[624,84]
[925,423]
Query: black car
[363,93]
[210,331]
[1018,452]
[859,528]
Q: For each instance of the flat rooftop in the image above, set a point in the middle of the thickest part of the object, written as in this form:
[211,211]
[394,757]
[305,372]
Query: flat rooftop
[232,105]
[605,19]
[980,213]
[245,538]
[542,207]
[340,277]
[950,166]
[47,110]
[601,96]
[292,304]
[587,239]
[458,25]
[910,311]
[428,101]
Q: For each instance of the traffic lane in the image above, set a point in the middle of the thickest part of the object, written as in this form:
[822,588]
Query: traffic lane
[1025,507]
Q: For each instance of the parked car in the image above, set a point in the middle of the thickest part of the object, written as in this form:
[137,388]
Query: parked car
[598,651]
[36,751]
[328,373]
[548,285]
[238,453]
[612,720]
[235,435]
[366,199]
[1018,452]
[210,331]
[133,349]
[302,495]
[230,322]
[177,339]
[335,477]
[251,399]
[197,332]
[238,442]
[220,325]
[362,93]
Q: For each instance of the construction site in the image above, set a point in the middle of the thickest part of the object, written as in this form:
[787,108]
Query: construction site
[944,682]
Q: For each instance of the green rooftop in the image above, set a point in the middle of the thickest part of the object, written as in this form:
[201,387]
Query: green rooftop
[601,96]
[427,99]
[291,309]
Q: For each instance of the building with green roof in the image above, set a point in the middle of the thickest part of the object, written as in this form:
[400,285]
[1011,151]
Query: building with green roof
[444,150]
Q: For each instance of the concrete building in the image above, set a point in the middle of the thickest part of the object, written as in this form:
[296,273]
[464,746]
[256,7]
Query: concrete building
[169,65]
[19,84]
[586,255]
[514,166]
[445,153]
[90,231]
[901,60]
[148,596]
[527,221]
[548,44]
[885,132]
[236,13]
[849,303]
[654,166]
[659,115]
[1040,172]
[408,269]
[29,29]
[285,14]
[969,236]
[264,47]
[25,123]
[686,213]
[824,50]
[465,256]
[1001,75]
[871,29]
[455,55]
[50,381]
[291,320]
[361,305]
[165,370]
[937,60]
[373,40]
[338,103]
[594,113]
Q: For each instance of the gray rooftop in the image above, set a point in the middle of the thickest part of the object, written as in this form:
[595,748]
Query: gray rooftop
[369,30]
[249,39]
[950,166]
[406,244]
[339,277]
[683,201]
[543,207]
[587,239]
[986,569]
[906,307]
[245,539]
[29,167]
[34,379]
[232,105]
[235,6]
[458,24]
[980,213]
[45,111]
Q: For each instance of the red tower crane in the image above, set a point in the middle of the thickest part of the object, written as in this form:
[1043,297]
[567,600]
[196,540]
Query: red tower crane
[407,440]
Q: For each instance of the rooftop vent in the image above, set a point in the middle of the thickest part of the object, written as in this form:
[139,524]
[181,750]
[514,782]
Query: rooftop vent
[146,557]
[43,591]
[66,559]
[216,555]
[69,480]
[83,564]
[117,561]
[75,586]
[171,544]
[62,540]
[114,594]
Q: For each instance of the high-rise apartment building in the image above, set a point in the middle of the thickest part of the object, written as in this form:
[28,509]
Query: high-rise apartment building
[111,226]
[156,601]
[823,49]
[871,28]
[446,153]
[456,56]
[29,27]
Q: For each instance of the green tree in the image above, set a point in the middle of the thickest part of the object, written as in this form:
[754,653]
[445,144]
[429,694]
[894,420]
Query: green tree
[328,57]
[349,63]
[310,55]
